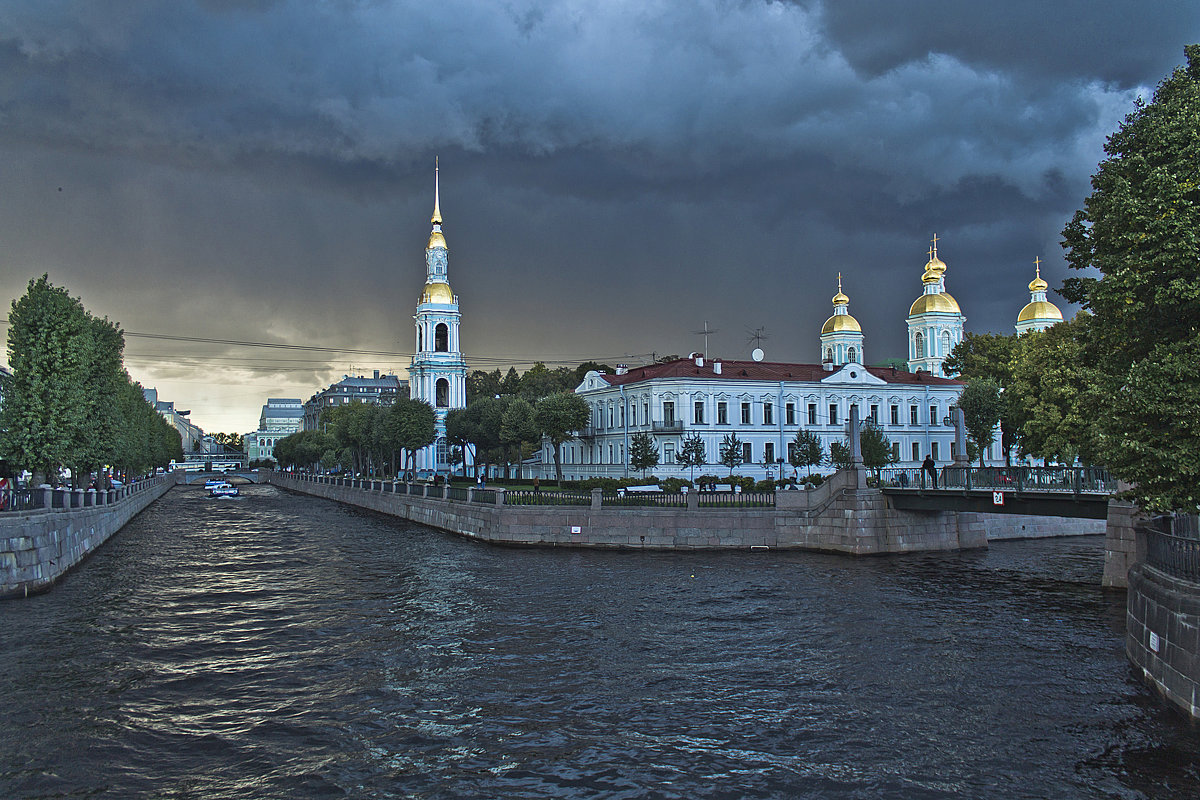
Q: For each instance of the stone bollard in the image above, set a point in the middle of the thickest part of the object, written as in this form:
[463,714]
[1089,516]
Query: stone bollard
[597,498]
[499,496]
[78,498]
[693,501]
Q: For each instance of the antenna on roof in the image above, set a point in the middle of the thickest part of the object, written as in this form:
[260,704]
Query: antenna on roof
[705,332]
[757,336]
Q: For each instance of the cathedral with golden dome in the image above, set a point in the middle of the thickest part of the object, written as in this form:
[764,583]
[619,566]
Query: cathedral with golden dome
[438,374]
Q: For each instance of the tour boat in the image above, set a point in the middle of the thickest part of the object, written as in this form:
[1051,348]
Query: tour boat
[223,490]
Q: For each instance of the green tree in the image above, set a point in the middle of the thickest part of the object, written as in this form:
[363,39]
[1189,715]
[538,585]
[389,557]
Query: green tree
[1056,416]
[643,454]
[417,427]
[730,453]
[806,450]
[692,453]
[991,355]
[839,455]
[45,406]
[558,417]
[876,447]
[981,405]
[1140,229]
[519,432]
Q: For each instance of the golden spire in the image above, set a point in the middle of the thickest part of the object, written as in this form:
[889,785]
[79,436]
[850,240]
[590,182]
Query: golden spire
[436,219]
[1037,284]
[935,267]
[840,299]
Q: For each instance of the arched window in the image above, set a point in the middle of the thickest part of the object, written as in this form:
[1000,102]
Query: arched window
[852,355]
[420,339]
[441,338]
[945,343]
[829,354]
[442,393]
[920,342]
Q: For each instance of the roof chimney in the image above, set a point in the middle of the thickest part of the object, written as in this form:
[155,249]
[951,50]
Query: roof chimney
[717,366]
[622,369]
[376,374]
[699,358]
[827,365]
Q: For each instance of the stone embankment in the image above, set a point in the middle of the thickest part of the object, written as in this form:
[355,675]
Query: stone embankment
[841,516]
[39,545]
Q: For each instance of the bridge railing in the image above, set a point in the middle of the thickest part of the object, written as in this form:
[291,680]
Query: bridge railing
[1075,480]
[1173,545]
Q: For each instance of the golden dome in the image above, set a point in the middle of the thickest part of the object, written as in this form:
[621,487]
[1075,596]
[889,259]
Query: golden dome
[941,302]
[839,323]
[436,240]
[1038,285]
[840,299]
[1039,309]
[437,293]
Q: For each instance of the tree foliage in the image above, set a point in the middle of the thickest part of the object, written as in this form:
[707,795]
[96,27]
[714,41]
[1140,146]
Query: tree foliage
[70,403]
[806,450]
[643,453]
[981,404]
[692,453]
[558,417]
[875,446]
[730,453]
[1140,229]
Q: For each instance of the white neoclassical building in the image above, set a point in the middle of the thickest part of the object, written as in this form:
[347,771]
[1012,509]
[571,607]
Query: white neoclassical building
[438,373]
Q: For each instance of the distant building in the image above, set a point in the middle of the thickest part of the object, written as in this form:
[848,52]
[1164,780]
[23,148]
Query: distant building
[190,435]
[281,416]
[380,390]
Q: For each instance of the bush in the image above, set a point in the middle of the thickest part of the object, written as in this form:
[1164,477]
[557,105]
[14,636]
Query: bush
[674,485]
[767,485]
[815,479]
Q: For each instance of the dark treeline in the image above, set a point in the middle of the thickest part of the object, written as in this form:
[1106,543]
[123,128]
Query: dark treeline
[70,403]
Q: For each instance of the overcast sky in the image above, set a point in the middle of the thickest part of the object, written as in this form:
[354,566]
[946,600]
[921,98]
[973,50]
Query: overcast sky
[613,174]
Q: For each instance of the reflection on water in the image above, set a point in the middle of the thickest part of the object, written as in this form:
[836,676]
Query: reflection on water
[281,646]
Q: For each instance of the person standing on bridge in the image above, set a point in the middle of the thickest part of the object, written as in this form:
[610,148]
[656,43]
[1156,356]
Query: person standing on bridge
[931,469]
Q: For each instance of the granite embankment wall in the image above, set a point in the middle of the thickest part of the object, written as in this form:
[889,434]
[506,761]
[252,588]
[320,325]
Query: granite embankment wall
[37,547]
[1162,634]
[838,516]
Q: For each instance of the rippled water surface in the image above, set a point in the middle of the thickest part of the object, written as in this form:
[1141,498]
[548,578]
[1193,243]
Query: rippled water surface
[281,646]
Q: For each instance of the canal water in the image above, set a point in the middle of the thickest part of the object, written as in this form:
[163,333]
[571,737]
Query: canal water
[281,646]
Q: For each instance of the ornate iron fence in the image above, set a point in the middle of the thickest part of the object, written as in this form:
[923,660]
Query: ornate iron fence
[1075,480]
[524,497]
[659,499]
[737,500]
[456,493]
[1173,545]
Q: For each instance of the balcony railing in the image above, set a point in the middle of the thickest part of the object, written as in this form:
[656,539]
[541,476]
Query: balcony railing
[675,426]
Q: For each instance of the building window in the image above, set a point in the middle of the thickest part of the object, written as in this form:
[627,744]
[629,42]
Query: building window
[645,413]
[829,354]
[812,413]
[912,415]
[933,415]
[722,413]
[668,452]
[668,412]
[895,415]
[789,413]
[610,454]
[633,414]
[920,345]
[934,447]
[852,355]
[610,418]
[442,393]
[895,451]
[745,413]
[441,338]
[769,452]
[791,448]
[699,412]
[945,343]
[622,415]
[874,413]
[768,414]
[833,413]
[916,450]
[747,453]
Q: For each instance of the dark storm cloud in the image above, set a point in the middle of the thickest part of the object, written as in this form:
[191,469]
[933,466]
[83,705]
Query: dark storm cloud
[614,172]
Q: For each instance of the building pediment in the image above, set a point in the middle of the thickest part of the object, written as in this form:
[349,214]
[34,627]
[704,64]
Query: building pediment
[853,375]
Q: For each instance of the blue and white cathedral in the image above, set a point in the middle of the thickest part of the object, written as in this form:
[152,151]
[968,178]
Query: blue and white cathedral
[935,322]
[438,374]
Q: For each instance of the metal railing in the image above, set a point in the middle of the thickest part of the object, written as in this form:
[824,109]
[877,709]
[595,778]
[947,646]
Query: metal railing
[457,493]
[659,499]
[1072,480]
[1173,545]
[737,500]
[523,497]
